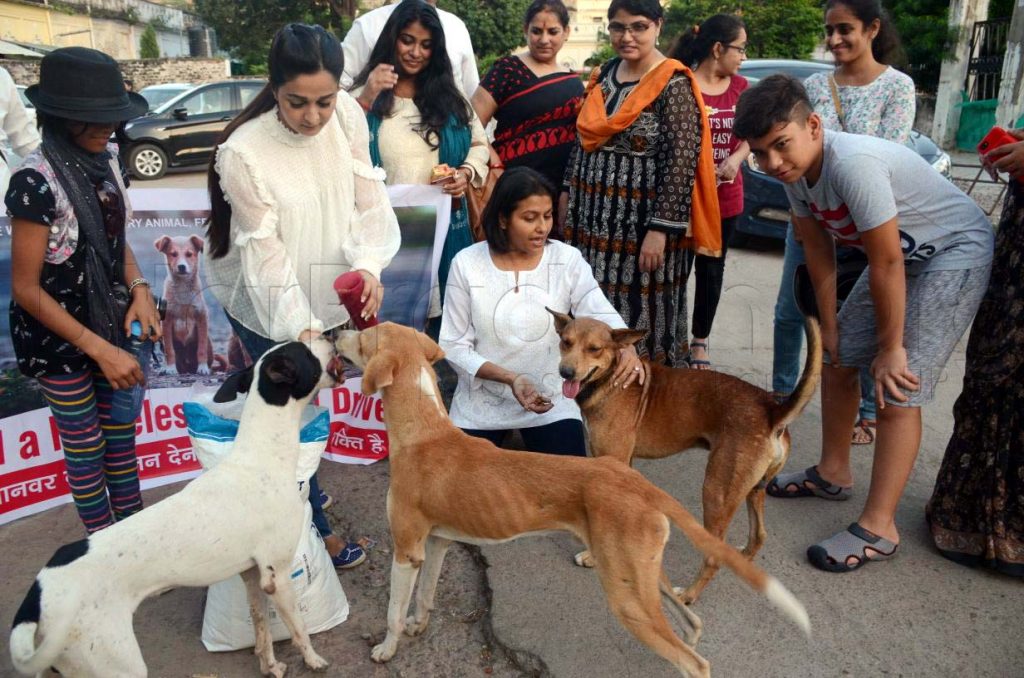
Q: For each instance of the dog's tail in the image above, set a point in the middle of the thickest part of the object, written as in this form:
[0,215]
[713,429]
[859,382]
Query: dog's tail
[28,659]
[713,547]
[789,409]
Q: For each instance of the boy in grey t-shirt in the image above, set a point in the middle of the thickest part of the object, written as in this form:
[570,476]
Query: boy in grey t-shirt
[929,252]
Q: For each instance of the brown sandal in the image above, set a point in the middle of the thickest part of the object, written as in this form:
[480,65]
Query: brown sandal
[864,432]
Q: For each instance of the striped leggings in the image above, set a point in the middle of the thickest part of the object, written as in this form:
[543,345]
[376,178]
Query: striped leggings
[99,455]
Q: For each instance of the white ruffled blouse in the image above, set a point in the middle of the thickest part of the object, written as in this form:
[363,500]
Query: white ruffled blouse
[304,210]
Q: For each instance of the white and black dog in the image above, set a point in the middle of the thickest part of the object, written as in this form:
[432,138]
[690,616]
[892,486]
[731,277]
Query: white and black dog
[243,516]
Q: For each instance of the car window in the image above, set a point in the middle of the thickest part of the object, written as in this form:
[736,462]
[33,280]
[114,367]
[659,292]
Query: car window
[211,100]
[24,99]
[802,72]
[248,92]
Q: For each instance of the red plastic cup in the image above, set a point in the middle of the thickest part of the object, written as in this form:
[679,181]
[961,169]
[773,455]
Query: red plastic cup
[349,287]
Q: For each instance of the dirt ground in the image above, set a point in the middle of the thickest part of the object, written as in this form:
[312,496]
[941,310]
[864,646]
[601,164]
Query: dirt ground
[459,641]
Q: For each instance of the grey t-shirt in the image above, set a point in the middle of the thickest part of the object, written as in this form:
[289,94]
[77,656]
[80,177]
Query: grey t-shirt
[866,181]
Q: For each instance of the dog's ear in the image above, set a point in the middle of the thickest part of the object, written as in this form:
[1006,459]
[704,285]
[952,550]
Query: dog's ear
[280,369]
[161,243]
[628,337]
[380,371]
[431,351]
[197,242]
[237,382]
[561,320]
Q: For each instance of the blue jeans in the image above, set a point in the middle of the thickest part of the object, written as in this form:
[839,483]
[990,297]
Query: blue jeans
[789,333]
[256,345]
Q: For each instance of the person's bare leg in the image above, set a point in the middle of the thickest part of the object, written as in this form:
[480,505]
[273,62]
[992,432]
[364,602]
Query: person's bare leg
[334,544]
[840,400]
[896,448]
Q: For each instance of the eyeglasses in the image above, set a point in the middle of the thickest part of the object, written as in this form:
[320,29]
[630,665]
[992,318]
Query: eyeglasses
[617,30]
[741,50]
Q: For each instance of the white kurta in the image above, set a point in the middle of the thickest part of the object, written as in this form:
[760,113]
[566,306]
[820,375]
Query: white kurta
[304,211]
[486,320]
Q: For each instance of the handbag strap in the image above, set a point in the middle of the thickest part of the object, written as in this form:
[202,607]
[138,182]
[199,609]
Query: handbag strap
[836,102]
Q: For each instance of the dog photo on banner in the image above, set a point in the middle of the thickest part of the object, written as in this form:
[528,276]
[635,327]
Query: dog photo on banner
[199,349]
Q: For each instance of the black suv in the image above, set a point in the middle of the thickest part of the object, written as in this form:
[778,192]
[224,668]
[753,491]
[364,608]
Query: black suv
[184,130]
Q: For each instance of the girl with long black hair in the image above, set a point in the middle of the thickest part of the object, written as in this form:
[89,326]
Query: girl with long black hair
[294,204]
[419,119]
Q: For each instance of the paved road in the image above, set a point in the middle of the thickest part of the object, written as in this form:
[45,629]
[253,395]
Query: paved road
[919,615]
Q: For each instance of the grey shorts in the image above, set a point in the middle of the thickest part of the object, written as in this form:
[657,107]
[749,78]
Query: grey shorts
[940,308]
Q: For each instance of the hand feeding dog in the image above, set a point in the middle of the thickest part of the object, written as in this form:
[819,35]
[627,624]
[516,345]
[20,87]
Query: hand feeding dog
[448,486]
[243,516]
[677,409]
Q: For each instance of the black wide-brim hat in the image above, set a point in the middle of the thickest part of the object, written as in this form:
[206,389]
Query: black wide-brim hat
[86,85]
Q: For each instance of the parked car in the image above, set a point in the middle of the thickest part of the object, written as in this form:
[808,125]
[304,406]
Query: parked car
[765,206]
[158,95]
[184,130]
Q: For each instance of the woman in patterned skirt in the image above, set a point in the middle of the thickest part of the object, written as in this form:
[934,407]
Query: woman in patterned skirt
[976,512]
[640,188]
[533,97]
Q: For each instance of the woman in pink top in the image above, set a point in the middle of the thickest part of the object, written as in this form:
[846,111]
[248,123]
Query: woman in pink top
[715,50]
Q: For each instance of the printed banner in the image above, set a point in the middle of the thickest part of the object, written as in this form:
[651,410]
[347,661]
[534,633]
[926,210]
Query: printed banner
[166,235]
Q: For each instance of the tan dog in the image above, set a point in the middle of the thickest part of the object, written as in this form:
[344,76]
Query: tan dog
[187,345]
[448,486]
[678,409]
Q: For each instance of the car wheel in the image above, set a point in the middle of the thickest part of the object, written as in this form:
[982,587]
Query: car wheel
[147,161]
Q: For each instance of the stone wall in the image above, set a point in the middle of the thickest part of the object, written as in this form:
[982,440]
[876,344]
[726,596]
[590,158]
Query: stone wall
[142,72]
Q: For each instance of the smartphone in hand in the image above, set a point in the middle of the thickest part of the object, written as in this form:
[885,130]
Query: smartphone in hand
[996,137]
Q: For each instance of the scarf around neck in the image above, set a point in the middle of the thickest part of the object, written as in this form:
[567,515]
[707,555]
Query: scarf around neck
[80,174]
[596,127]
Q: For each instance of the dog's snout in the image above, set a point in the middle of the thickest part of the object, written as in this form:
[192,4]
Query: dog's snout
[567,372]
[182,268]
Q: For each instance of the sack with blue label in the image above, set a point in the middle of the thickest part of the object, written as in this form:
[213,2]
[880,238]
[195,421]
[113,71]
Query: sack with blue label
[227,621]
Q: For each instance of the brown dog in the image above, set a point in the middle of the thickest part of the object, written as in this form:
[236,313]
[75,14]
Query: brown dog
[187,345]
[448,486]
[678,409]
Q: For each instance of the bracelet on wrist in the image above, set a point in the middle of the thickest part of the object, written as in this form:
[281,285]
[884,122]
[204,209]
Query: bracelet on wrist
[136,283]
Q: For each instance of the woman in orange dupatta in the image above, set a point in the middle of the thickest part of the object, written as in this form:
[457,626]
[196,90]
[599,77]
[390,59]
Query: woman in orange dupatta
[640,188]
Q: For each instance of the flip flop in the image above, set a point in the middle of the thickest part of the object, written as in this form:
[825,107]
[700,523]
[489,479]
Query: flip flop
[789,485]
[835,553]
[693,362]
[866,429]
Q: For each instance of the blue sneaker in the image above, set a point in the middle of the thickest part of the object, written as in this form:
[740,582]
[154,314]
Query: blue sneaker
[326,500]
[350,556]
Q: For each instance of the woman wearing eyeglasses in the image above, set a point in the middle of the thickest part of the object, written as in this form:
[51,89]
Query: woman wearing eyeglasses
[75,284]
[640,188]
[715,50]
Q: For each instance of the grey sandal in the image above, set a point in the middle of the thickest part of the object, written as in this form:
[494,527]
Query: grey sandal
[787,485]
[835,553]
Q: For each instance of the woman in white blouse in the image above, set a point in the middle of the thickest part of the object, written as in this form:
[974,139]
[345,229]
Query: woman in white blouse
[495,329]
[418,118]
[294,203]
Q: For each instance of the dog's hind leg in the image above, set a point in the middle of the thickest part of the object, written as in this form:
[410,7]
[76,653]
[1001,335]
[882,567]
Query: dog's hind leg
[434,553]
[264,647]
[755,517]
[285,602]
[632,581]
[726,484]
[692,626]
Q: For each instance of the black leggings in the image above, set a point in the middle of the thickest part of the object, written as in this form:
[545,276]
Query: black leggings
[710,273]
[564,436]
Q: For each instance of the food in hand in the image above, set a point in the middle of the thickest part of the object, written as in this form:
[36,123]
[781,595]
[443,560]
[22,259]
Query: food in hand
[442,172]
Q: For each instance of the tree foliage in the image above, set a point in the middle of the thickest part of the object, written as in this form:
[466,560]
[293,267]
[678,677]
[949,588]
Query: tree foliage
[780,29]
[495,26]
[923,26]
[148,46]
[246,27]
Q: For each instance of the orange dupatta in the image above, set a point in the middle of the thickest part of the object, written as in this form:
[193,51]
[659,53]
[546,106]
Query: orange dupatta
[595,128]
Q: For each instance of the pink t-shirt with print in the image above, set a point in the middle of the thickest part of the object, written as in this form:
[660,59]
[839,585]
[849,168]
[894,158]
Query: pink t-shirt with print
[721,110]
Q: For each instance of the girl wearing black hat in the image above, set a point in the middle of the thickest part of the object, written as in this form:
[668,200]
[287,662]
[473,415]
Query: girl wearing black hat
[76,286]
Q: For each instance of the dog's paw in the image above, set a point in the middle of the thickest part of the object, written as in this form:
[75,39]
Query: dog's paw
[583,559]
[684,595]
[203,369]
[385,651]
[316,662]
[277,670]
[414,627]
